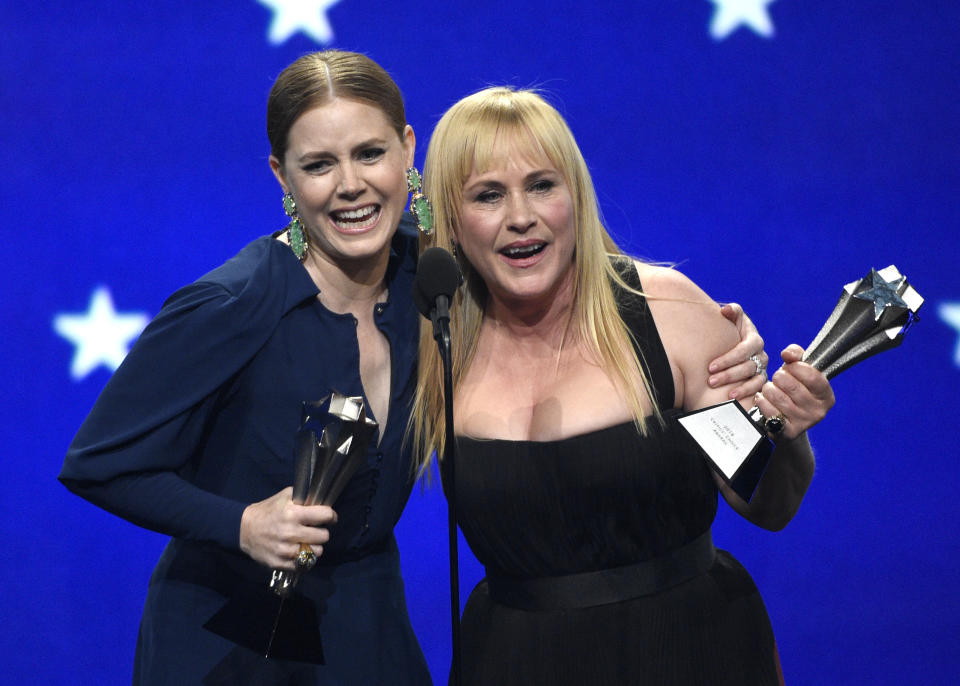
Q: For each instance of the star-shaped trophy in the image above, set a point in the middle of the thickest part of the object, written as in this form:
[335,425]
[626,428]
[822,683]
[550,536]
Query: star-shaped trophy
[872,315]
[327,458]
[330,446]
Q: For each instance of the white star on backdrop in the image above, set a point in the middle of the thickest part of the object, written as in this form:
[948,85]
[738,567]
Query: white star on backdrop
[950,313]
[731,14]
[101,335]
[290,16]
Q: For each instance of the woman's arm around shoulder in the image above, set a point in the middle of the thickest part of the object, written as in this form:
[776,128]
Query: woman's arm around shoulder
[693,330]
[694,333]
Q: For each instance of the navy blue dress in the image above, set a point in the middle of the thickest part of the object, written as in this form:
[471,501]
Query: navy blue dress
[199,422]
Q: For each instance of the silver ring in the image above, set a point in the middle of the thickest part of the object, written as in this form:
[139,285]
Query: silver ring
[760,366]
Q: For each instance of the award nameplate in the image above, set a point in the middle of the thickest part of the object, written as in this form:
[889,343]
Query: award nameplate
[871,316]
[732,442]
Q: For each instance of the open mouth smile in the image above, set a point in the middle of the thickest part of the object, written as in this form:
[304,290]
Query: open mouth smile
[523,251]
[356,219]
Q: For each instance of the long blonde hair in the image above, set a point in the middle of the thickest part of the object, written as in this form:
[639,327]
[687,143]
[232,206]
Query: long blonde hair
[464,140]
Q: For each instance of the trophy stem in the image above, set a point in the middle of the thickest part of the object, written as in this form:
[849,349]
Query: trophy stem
[847,323]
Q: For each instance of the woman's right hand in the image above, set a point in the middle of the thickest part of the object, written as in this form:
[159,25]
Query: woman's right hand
[272,530]
[799,393]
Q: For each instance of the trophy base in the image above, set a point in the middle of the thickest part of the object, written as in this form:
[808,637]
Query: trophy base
[733,445]
[247,620]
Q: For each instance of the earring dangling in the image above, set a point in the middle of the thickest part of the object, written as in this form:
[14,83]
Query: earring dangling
[295,233]
[420,205]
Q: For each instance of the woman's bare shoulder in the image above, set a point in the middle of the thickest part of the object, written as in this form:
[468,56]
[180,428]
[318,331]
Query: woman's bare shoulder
[660,282]
[690,323]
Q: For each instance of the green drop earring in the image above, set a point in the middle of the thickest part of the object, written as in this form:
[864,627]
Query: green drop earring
[295,233]
[420,205]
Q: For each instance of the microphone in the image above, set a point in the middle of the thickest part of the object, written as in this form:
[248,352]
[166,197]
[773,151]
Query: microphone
[438,278]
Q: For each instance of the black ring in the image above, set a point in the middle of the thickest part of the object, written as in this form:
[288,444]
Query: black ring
[774,425]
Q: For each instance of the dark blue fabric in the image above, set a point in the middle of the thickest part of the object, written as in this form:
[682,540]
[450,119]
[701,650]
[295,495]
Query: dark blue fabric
[198,422]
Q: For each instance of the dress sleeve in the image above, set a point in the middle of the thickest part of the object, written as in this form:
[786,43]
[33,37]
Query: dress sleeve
[134,453]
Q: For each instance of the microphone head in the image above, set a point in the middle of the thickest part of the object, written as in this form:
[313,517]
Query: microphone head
[437,274]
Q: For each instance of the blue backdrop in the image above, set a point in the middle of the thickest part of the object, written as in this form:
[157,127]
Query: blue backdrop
[774,149]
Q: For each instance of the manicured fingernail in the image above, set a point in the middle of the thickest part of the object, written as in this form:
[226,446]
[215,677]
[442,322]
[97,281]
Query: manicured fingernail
[712,381]
[713,368]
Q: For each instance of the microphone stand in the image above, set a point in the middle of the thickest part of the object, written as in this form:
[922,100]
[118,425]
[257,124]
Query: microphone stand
[440,316]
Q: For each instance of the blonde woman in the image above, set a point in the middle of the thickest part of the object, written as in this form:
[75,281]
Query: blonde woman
[575,489]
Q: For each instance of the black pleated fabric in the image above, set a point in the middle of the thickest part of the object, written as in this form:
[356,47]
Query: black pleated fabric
[596,501]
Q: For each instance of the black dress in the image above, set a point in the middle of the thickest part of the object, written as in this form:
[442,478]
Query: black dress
[604,501]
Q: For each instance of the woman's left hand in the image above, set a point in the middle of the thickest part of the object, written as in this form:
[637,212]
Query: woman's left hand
[798,391]
[746,362]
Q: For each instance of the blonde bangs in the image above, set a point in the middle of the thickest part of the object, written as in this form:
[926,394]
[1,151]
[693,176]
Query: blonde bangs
[470,137]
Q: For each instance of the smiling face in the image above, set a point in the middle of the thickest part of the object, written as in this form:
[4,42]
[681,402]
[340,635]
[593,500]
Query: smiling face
[517,225]
[344,165]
